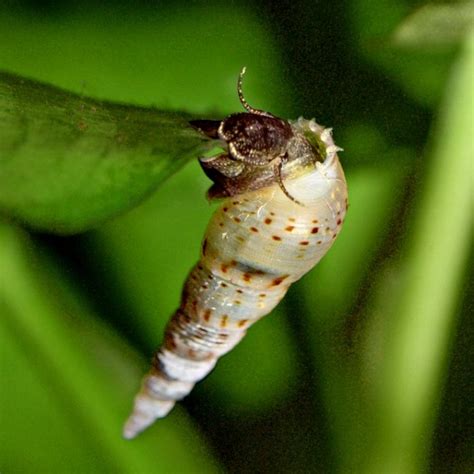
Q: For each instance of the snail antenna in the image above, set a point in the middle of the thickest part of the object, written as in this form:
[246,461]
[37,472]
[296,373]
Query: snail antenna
[278,167]
[245,104]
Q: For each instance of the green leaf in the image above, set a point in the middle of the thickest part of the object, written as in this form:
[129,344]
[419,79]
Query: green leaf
[68,382]
[435,25]
[422,313]
[421,71]
[68,163]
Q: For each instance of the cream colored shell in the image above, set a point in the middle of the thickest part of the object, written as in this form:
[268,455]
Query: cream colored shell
[255,246]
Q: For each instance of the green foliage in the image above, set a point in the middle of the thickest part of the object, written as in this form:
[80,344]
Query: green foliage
[437,25]
[348,374]
[68,162]
[64,371]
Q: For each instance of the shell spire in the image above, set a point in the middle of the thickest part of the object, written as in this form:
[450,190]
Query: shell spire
[145,412]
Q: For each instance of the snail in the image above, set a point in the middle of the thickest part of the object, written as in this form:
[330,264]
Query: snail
[284,199]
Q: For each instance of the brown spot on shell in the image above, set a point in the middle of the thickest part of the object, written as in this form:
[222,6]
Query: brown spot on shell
[225,209]
[278,281]
[240,239]
[223,285]
[237,219]
[204,247]
[224,320]
[247,277]
[235,203]
[262,295]
[224,268]
[315,221]
[338,222]
[304,242]
[254,229]
[276,237]
[239,291]
[169,341]
[289,228]
[242,323]
[237,302]
[319,242]
[292,219]
[207,315]
[315,230]
[268,221]
[186,318]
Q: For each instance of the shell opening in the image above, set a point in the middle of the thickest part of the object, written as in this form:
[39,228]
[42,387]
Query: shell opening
[319,137]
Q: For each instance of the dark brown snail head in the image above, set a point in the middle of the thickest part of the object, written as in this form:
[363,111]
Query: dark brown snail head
[257,148]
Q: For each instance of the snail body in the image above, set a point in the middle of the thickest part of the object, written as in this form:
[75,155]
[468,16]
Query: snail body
[285,202]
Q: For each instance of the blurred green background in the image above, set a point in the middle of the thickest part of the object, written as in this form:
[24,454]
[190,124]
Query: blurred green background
[364,367]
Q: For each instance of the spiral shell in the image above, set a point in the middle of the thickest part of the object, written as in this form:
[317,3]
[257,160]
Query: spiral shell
[286,202]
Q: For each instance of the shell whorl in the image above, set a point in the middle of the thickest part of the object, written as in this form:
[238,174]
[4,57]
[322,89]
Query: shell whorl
[256,244]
